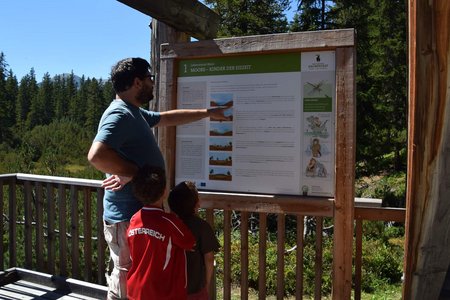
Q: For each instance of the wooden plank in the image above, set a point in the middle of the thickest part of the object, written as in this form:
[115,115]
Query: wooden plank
[2,231]
[281,238]
[318,261]
[87,232]
[358,258]
[213,283]
[12,225]
[282,42]
[2,221]
[74,232]
[28,229]
[101,246]
[311,206]
[227,255]
[166,91]
[50,229]
[262,247]
[428,184]
[161,33]
[167,101]
[210,217]
[368,202]
[57,179]
[380,214]
[244,255]
[18,283]
[39,226]
[188,16]
[299,257]
[345,172]
[62,217]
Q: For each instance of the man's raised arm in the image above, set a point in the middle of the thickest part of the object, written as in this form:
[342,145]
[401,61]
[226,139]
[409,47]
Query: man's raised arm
[183,116]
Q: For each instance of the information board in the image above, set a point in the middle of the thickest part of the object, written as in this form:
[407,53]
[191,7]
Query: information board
[279,136]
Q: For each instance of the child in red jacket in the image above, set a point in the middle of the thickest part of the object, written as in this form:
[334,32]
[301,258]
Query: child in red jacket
[157,242]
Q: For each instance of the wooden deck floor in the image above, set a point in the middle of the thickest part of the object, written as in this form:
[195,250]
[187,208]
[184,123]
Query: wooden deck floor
[24,284]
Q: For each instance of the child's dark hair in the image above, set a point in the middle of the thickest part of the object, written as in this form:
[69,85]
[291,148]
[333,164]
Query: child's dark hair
[183,198]
[149,184]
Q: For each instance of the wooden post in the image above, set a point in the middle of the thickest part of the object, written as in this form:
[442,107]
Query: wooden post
[166,136]
[427,254]
[160,34]
[345,172]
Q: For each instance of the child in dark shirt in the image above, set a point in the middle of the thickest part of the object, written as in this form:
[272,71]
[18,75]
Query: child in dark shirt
[157,242]
[183,200]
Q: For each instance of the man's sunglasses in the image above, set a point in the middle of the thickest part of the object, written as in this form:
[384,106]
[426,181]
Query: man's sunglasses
[152,77]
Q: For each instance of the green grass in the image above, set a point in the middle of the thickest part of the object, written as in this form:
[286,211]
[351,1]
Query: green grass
[391,292]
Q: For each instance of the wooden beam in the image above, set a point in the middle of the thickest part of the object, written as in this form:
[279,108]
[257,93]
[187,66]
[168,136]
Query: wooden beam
[166,136]
[189,16]
[275,204]
[311,40]
[345,172]
[428,185]
[380,214]
[161,34]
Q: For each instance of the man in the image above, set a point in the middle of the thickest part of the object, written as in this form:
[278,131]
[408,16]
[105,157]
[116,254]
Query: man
[124,143]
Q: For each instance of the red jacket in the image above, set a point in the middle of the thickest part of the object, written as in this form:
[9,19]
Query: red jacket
[157,242]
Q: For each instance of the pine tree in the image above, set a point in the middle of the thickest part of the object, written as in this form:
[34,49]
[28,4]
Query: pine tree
[8,105]
[95,106]
[313,15]
[60,98]
[41,107]
[3,112]
[108,93]
[28,89]
[389,72]
[78,103]
[250,17]
[381,80]
[71,92]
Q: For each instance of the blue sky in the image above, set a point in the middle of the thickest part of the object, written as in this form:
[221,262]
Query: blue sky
[60,36]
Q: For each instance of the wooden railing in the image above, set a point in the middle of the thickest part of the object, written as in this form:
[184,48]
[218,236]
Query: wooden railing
[54,225]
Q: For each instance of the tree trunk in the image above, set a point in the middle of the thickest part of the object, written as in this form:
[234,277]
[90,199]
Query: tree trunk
[427,254]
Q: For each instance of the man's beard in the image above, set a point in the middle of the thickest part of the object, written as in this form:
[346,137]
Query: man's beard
[145,95]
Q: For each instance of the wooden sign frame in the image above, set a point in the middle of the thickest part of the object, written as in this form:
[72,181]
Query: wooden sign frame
[341,207]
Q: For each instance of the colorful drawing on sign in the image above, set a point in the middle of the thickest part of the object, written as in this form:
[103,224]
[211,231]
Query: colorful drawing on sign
[221,129]
[220,144]
[316,126]
[220,174]
[317,148]
[222,99]
[315,169]
[220,159]
[318,89]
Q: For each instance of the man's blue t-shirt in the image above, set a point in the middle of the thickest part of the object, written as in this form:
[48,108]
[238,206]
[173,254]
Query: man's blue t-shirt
[127,129]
